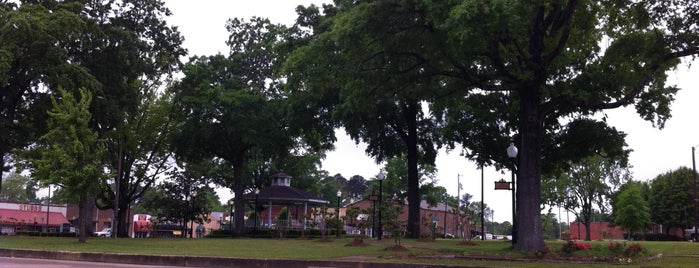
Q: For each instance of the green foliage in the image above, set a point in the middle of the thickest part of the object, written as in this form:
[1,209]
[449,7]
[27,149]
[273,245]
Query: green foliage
[632,212]
[671,198]
[19,188]
[592,181]
[69,155]
[494,70]
[391,221]
[627,251]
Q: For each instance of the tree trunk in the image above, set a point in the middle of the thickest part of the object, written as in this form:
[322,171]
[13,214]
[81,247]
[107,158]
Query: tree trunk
[85,207]
[123,219]
[2,164]
[239,214]
[413,179]
[587,230]
[529,236]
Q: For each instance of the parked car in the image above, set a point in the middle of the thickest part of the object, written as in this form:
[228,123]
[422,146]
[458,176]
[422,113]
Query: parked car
[106,232]
[488,236]
[690,235]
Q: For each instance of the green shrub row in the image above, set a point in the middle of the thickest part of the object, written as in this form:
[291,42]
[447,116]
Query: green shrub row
[657,237]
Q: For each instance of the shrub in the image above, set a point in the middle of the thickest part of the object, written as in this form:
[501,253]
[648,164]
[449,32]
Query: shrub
[623,250]
[657,237]
[571,247]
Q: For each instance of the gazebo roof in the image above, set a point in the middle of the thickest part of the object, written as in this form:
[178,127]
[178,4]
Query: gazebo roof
[284,194]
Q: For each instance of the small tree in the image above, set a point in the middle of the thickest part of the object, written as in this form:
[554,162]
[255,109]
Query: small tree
[632,212]
[392,223]
[69,155]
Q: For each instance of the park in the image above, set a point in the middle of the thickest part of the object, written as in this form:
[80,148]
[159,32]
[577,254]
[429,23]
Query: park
[107,117]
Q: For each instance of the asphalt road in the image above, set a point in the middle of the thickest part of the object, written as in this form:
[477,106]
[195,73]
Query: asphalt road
[44,263]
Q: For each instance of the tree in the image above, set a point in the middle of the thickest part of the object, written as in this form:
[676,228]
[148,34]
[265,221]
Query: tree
[19,188]
[37,39]
[632,212]
[671,199]
[374,103]
[230,107]
[356,187]
[590,184]
[129,111]
[67,43]
[141,155]
[70,155]
[541,61]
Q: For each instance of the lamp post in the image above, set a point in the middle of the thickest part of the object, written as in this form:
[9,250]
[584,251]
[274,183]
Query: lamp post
[257,194]
[373,199]
[339,222]
[512,154]
[696,218]
[380,177]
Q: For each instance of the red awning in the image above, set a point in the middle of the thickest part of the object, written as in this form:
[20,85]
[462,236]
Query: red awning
[20,217]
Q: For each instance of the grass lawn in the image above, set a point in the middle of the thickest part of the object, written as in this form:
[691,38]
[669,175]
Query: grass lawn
[675,254]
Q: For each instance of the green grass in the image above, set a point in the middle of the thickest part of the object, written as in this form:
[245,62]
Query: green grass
[675,254]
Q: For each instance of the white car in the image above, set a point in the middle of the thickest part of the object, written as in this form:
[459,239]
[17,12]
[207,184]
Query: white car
[106,232]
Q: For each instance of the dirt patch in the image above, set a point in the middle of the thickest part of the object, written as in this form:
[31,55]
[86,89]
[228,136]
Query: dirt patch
[396,248]
[357,243]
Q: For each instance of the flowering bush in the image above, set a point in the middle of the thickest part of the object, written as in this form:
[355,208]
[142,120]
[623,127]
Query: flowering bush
[627,251]
[570,247]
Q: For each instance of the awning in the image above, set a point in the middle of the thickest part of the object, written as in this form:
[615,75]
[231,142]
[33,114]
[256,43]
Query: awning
[20,217]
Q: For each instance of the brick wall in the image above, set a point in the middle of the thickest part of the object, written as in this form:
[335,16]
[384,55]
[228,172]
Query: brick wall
[577,231]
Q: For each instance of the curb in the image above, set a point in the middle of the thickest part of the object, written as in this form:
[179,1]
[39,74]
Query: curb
[198,261]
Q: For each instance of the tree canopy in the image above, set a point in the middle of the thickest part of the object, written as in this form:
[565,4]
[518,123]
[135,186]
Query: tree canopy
[534,63]
[671,199]
[632,212]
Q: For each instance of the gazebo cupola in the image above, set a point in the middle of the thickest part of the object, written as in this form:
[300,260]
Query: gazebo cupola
[281,179]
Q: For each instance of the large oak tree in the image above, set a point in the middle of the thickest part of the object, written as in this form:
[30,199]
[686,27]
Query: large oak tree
[542,62]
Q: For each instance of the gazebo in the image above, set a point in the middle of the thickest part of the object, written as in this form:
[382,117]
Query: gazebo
[268,202]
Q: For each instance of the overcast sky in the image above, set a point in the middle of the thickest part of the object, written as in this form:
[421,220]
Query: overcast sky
[655,151]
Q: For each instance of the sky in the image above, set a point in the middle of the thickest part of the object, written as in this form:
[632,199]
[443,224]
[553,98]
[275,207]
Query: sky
[655,151]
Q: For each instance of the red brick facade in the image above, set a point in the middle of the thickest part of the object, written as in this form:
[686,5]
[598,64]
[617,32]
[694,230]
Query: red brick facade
[597,231]
[427,214]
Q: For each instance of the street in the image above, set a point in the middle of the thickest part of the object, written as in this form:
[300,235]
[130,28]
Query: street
[45,263]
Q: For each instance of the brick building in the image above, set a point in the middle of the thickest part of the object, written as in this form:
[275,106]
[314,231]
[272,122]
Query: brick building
[441,215]
[598,231]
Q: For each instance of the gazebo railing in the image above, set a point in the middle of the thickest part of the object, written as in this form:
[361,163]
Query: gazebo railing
[286,224]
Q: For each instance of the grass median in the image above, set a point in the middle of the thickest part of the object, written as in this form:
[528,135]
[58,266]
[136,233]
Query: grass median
[446,251]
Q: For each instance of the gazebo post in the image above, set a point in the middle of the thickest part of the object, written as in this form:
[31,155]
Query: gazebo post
[305,212]
[269,215]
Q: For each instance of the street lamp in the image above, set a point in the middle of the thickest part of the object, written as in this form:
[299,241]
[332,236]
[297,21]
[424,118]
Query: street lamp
[339,194]
[512,154]
[380,177]
[257,194]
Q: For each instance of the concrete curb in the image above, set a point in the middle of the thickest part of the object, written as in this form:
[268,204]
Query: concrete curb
[197,261]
